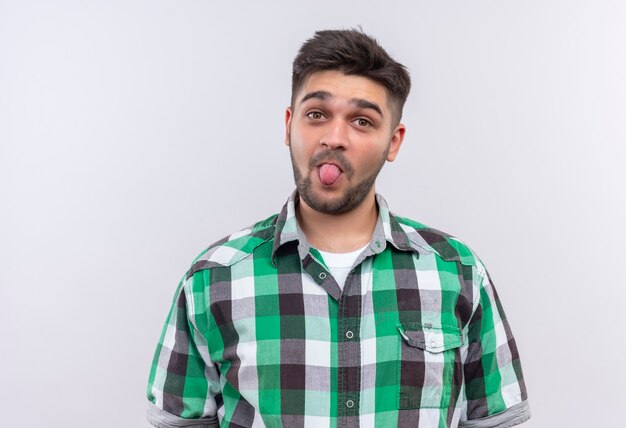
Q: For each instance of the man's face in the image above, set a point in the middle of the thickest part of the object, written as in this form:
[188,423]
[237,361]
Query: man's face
[340,132]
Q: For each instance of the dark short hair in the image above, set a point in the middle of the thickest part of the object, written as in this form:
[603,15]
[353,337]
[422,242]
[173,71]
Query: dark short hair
[351,52]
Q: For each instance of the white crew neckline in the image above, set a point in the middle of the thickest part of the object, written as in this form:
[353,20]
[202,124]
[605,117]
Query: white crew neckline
[339,264]
[341,260]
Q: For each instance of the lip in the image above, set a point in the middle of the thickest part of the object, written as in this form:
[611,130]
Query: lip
[319,165]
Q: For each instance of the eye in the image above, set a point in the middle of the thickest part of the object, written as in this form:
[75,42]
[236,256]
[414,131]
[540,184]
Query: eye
[362,122]
[315,115]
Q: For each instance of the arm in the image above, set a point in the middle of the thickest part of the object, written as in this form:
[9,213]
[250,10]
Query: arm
[494,389]
[184,386]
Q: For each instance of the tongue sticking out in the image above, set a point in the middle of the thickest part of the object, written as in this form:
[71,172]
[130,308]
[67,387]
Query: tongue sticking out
[329,173]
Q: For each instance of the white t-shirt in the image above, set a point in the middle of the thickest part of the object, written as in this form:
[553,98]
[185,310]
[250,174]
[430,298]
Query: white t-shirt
[340,264]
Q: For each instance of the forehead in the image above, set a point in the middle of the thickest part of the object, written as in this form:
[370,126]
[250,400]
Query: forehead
[344,88]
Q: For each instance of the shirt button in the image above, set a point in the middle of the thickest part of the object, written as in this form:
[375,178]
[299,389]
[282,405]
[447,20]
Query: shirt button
[349,334]
[433,344]
[349,404]
[377,243]
[322,275]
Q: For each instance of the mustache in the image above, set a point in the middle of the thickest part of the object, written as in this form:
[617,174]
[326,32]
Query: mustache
[331,157]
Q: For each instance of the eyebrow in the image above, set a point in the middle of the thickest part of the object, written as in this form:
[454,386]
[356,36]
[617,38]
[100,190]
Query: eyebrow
[320,95]
[359,102]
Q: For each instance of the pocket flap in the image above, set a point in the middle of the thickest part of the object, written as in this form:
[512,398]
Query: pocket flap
[430,338]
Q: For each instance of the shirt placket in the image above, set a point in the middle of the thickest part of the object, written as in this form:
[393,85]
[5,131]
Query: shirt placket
[349,352]
[348,340]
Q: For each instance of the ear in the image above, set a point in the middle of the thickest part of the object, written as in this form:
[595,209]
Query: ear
[288,115]
[396,141]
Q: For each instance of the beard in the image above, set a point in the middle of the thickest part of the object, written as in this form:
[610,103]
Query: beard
[350,199]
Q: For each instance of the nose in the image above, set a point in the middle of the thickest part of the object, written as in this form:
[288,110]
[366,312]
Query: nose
[336,135]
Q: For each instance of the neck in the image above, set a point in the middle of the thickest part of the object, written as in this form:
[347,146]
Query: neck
[339,233]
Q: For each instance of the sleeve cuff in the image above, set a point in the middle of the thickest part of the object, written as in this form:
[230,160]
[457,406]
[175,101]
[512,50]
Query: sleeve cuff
[512,416]
[162,419]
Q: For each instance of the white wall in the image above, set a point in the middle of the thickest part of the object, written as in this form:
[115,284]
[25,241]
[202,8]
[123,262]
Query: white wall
[135,133]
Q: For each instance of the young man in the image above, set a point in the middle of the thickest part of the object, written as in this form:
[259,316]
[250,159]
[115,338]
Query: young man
[336,312]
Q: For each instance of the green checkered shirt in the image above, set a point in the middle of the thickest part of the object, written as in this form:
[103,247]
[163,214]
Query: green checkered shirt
[260,334]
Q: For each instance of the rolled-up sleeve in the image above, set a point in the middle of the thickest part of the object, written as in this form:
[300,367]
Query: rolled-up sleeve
[183,386]
[494,389]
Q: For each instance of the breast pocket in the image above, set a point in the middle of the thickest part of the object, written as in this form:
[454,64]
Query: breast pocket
[426,366]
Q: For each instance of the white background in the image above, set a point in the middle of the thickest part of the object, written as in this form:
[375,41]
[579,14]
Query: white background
[135,133]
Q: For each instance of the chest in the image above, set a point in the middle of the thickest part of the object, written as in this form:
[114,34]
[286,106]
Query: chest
[258,301]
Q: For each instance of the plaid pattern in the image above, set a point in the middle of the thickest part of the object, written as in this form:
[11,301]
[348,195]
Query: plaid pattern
[259,334]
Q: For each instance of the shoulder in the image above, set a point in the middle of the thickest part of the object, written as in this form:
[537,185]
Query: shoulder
[235,247]
[446,246]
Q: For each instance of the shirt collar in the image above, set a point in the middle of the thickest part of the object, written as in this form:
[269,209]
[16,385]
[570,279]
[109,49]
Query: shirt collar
[388,230]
